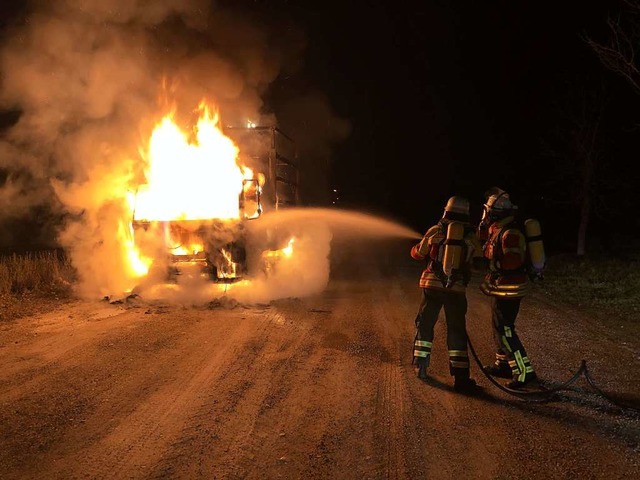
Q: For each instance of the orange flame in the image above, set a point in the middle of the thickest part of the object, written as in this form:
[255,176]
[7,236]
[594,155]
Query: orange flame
[229,270]
[190,179]
[137,263]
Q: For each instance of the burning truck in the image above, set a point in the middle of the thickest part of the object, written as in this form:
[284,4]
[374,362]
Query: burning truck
[200,191]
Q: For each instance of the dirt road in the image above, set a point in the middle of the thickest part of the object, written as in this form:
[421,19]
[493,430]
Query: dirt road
[314,388]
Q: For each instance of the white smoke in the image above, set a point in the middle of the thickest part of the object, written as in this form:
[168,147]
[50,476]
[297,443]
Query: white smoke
[91,77]
[305,272]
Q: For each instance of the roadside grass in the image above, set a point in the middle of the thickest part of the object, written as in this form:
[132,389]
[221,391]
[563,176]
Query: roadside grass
[41,272]
[608,287]
[30,281]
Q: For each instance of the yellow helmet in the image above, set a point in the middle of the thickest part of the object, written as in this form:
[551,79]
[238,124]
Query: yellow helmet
[457,208]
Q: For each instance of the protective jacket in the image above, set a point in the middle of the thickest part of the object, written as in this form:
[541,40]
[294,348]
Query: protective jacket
[505,249]
[432,247]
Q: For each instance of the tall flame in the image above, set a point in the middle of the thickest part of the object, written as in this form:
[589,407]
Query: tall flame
[190,179]
[137,263]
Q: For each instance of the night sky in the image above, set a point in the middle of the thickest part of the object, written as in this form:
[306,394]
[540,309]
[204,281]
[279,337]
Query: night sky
[452,98]
[448,99]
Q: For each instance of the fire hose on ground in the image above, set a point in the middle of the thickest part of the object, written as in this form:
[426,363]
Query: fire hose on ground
[546,393]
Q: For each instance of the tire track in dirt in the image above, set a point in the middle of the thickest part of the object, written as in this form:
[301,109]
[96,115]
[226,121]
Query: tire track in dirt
[139,439]
[392,392]
[311,413]
[53,411]
[228,442]
[54,340]
[436,423]
[390,412]
[346,440]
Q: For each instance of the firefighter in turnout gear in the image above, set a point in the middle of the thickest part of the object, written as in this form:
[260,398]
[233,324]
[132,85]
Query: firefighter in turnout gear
[506,283]
[448,248]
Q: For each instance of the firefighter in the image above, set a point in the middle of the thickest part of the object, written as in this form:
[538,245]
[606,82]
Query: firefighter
[443,284]
[506,283]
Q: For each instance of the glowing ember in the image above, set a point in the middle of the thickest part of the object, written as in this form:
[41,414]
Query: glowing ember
[190,179]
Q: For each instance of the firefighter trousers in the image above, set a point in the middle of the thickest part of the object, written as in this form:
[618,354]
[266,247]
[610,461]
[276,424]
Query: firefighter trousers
[510,352]
[455,309]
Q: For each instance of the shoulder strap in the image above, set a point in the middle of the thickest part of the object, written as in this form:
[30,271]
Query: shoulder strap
[508,226]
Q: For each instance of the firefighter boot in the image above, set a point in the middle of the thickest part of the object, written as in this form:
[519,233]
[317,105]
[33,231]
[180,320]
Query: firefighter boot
[523,373]
[420,365]
[518,382]
[464,384]
[498,369]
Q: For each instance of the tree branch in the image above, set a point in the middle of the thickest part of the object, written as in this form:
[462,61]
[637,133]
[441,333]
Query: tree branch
[618,54]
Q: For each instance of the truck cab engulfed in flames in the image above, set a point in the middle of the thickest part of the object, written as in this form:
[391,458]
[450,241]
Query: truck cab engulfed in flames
[195,217]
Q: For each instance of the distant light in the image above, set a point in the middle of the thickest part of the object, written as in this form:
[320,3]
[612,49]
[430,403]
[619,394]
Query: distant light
[335,190]
[250,124]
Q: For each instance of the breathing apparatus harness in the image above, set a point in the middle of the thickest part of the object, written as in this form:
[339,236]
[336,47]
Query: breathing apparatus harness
[437,266]
[496,244]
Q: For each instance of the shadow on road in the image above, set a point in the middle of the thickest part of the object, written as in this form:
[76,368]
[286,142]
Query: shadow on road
[576,407]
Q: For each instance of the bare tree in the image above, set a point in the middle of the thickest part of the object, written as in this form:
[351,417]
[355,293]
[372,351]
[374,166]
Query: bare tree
[588,153]
[575,148]
[618,51]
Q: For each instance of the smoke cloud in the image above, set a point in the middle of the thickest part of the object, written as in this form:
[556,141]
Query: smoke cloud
[305,272]
[90,78]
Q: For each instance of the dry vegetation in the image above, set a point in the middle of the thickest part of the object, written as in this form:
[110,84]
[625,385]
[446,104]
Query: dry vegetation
[31,280]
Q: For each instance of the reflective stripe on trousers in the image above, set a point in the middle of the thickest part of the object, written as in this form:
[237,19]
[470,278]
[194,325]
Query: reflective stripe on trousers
[509,347]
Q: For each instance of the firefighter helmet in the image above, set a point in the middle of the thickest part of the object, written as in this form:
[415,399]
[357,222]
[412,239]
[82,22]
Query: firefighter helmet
[498,206]
[457,208]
